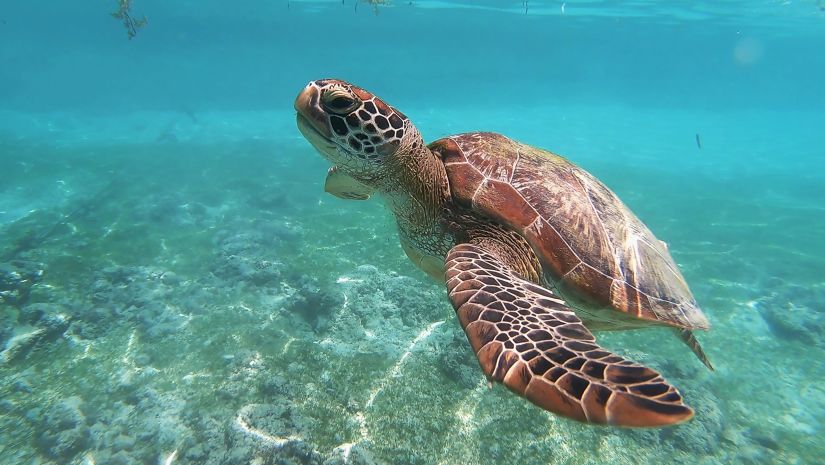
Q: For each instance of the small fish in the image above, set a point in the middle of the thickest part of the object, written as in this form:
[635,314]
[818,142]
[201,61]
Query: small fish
[698,141]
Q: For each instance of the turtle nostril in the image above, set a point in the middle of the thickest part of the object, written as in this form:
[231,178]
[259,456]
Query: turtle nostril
[306,104]
[307,99]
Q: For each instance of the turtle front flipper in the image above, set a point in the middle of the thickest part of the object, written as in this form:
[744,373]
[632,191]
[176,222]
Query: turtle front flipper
[527,338]
[345,187]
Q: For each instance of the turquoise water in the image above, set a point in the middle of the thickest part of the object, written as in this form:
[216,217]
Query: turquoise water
[176,287]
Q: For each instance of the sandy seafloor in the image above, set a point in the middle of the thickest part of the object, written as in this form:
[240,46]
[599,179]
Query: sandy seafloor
[177,289]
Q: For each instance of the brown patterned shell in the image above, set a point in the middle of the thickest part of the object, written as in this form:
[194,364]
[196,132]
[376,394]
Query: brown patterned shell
[595,251]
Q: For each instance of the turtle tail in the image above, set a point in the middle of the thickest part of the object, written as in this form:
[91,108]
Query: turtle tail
[690,340]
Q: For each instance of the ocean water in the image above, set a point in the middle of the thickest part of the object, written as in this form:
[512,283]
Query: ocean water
[176,287]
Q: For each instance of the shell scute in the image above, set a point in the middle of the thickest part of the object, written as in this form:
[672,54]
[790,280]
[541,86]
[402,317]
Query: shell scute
[591,245]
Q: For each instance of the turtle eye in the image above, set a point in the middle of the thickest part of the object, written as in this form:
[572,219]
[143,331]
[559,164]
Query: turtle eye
[339,101]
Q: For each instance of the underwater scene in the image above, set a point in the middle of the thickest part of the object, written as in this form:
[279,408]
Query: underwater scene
[183,282]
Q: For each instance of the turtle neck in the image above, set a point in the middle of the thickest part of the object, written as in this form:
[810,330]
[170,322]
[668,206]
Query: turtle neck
[415,188]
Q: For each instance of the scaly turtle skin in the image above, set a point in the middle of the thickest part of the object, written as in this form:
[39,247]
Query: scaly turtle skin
[533,251]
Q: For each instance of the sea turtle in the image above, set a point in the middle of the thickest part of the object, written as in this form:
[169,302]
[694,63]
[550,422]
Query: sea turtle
[533,249]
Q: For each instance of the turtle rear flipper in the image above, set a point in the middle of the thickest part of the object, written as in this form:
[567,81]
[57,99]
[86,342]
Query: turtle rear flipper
[527,338]
[690,340]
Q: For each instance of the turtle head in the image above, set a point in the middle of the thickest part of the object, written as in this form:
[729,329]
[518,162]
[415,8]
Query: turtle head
[353,128]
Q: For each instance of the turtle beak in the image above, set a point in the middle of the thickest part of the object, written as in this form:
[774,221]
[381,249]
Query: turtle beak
[311,117]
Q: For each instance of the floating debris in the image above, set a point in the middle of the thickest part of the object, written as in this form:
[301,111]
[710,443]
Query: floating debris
[124,14]
[373,3]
